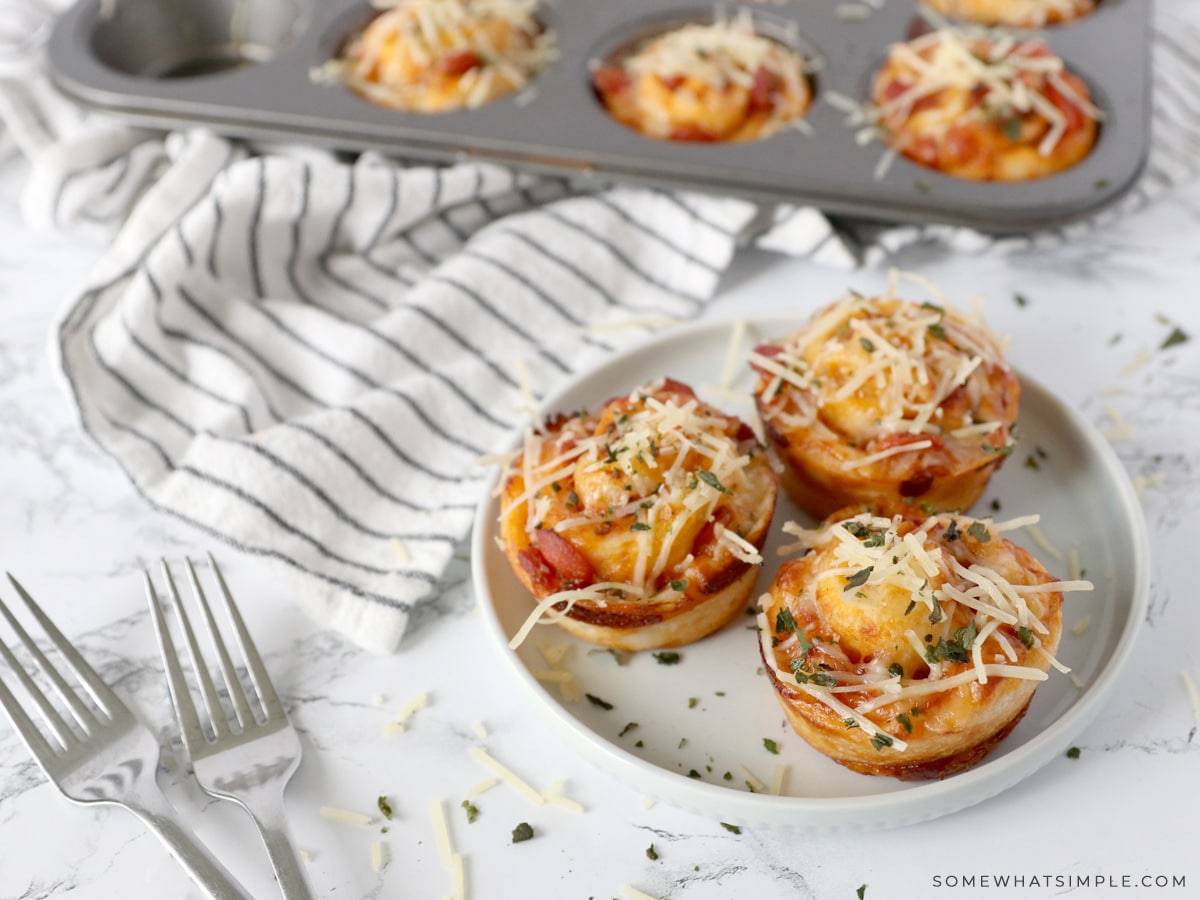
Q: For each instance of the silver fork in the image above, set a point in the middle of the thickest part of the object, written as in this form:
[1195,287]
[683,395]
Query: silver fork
[246,760]
[106,755]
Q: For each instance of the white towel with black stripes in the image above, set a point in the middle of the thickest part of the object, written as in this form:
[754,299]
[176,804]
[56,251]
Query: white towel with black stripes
[306,358]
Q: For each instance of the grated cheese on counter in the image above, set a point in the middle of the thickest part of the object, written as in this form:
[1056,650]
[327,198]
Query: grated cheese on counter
[348,816]
[521,787]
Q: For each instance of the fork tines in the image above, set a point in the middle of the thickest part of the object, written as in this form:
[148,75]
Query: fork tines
[86,720]
[195,732]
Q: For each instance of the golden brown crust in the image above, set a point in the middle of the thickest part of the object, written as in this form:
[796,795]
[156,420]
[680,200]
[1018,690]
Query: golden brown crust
[824,635]
[1030,120]
[673,87]
[830,436]
[677,526]
[1014,13]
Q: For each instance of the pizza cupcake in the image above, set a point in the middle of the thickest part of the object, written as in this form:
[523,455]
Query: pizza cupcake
[718,82]
[886,401]
[435,56]
[909,646]
[981,108]
[639,524]
[1014,13]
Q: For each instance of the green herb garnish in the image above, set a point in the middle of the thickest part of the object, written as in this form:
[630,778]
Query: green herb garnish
[880,740]
[629,726]
[771,746]
[731,828]
[1026,636]
[679,585]
[785,622]
[979,531]
[385,807]
[711,480]
[1073,753]
[1177,336]
[472,811]
[667,657]
[858,578]
[904,720]
[596,701]
[651,853]
[522,832]
[896,670]
[866,344]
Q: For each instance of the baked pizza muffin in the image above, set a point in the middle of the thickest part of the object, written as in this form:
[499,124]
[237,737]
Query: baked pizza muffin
[981,108]
[909,646]
[435,56]
[640,524]
[886,401]
[1014,13]
[718,82]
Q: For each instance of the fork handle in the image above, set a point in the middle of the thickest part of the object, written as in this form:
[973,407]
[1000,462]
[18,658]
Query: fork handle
[156,812]
[266,809]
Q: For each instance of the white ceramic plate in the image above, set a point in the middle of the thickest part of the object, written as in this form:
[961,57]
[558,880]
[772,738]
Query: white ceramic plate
[1086,503]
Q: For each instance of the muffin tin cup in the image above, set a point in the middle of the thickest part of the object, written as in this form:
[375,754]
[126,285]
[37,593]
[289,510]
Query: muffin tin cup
[559,126]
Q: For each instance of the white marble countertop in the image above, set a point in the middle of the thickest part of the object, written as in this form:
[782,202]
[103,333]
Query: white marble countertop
[78,536]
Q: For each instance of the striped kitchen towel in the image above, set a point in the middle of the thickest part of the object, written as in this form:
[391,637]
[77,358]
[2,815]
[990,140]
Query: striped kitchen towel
[307,358]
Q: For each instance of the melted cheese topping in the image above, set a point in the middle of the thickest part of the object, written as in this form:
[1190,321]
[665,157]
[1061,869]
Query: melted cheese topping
[1014,13]
[648,472]
[717,81]
[878,368]
[978,105]
[437,55]
[890,578]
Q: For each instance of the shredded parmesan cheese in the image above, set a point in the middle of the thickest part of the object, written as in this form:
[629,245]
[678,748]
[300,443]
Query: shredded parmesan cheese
[1193,693]
[1120,429]
[917,559]
[752,780]
[441,832]
[778,778]
[347,816]
[629,892]
[483,757]
[400,722]
[379,856]
[483,787]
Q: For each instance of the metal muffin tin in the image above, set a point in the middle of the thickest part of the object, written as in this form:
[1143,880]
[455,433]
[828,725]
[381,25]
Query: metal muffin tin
[170,63]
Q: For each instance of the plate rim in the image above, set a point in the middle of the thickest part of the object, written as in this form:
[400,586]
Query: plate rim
[916,801]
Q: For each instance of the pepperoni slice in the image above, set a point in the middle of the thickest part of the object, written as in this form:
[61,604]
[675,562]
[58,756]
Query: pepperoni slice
[762,93]
[564,557]
[460,63]
[610,79]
